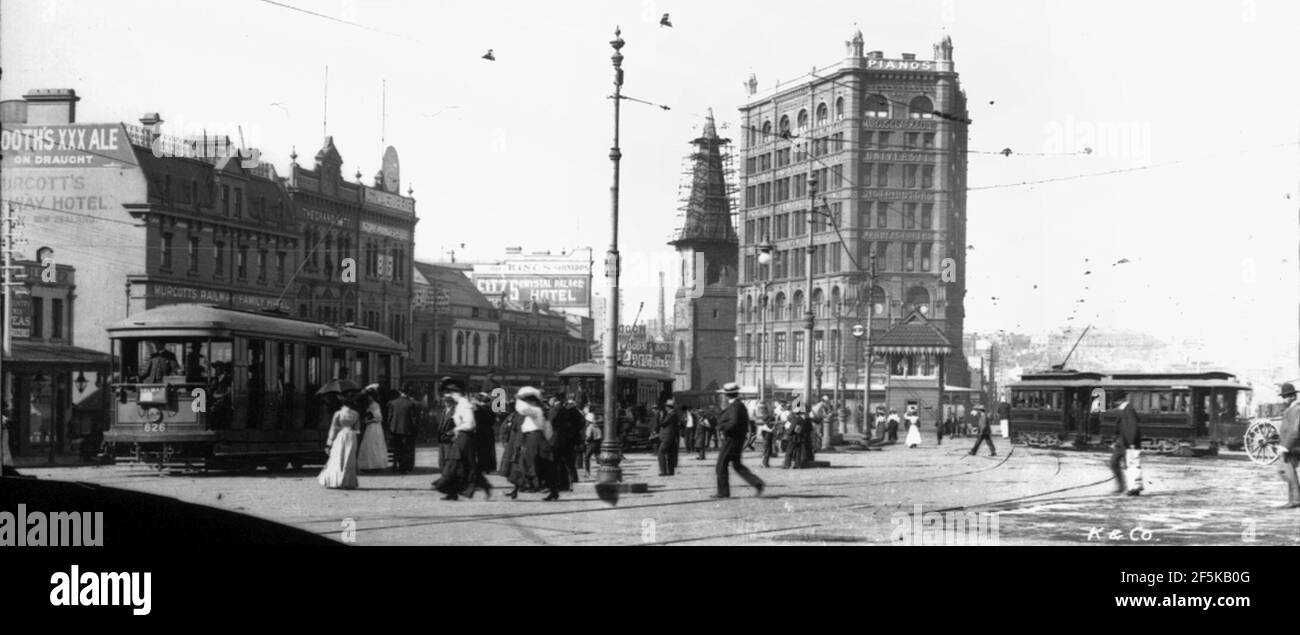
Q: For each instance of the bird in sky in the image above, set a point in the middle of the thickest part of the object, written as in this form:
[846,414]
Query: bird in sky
[664,21]
[280,106]
[1122,261]
[1006,152]
[1087,273]
[489,56]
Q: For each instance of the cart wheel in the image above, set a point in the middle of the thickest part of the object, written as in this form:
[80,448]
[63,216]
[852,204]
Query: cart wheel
[1261,442]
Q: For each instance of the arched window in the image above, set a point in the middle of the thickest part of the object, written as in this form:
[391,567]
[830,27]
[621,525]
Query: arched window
[876,106]
[779,308]
[921,108]
[532,354]
[519,361]
[460,348]
[835,300]
[681,355]
[784,126]
[821,114]
[444,351]
[918,299]
[877,300]
[557,356]
[803,119]
[796,306]
[818,303]
[492,350]
[424,346]
[767,131]
[478,343]
[839,108]
[749,308]
[764,303]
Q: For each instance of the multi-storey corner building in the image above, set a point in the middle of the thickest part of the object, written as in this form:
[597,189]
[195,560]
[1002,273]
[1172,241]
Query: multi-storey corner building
[885,139]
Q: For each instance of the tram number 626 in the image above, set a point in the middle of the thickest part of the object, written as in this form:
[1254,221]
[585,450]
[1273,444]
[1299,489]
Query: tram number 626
[155,427]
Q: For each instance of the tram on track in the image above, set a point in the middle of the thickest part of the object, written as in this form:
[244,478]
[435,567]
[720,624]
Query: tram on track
[239,389]
[1183,414]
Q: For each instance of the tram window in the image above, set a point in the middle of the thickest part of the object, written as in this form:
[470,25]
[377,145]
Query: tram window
[339,363]
[285,356]
[130,359]
[1181,401]
[313,367]
[361,368]
[385,372]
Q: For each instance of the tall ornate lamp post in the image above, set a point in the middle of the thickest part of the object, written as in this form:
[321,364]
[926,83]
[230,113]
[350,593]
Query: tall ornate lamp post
[764,258]
[611,448]
[808,318]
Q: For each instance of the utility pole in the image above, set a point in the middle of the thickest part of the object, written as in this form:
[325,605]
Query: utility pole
[611,447]
[8,221]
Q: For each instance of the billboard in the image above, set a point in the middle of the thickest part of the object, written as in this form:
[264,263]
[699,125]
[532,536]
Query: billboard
[560,283]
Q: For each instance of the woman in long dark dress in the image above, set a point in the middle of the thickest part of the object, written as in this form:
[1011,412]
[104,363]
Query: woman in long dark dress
[458,473]
[510,439]
[485,438]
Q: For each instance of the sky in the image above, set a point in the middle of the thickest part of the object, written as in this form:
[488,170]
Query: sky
[1190,109]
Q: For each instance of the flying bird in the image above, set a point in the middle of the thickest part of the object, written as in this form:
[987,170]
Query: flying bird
[990,102]
[1087,273]
[1121,261]
[664,21]
[1006,152]
[489,56]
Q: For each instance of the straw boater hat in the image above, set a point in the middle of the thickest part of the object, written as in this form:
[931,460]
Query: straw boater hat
[528,393]
[451,384]
[730,388]
[372,388]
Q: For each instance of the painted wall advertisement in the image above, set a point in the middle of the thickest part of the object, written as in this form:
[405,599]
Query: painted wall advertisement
[558,283]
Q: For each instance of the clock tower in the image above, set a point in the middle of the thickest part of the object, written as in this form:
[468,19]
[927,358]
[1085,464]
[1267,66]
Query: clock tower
[704,309]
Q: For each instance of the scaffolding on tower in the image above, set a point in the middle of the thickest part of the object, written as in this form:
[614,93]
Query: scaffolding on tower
[707,194]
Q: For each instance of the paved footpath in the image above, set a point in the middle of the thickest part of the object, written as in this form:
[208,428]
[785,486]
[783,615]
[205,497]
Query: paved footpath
[1037,496]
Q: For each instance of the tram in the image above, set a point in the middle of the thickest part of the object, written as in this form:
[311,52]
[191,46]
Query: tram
[244,393]
[1180,413]
[645,386]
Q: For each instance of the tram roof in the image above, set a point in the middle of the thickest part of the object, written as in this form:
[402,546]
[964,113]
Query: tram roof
[195,320]
[592,369]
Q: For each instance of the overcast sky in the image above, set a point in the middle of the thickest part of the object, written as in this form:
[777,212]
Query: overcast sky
[515,152]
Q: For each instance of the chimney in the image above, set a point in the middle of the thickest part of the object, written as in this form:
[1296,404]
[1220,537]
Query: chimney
[149,119]
[876,55]
[909,56]
[52,106]
[514,251]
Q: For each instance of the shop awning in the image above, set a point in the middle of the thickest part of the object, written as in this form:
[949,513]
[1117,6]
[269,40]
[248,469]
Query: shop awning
[43,356]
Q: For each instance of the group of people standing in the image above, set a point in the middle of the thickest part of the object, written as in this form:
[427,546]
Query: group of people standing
[356,436]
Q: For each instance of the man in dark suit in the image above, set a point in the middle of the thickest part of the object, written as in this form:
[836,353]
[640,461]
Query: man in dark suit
[1127,447]
[1289,445]
[669,429]
[733,426]
[985,431]
[404,424]
[446,430]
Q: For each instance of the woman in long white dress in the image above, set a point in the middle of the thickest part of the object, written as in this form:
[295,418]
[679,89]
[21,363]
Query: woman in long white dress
[374,450]
[341,470]
[913,429]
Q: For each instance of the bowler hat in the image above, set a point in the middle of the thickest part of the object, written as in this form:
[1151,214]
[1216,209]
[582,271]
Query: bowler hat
[1287,390]
[451,384]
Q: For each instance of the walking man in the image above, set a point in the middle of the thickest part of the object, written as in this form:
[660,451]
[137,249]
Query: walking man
[985,431]
[768,432]
[733,426]
[689,428]
[1289,445]
[404,423]
[667,428]
[1127,449]
[592,436]
[892,425]
[701,434]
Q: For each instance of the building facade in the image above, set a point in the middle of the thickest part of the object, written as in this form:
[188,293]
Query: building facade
[457,331]
[885,140]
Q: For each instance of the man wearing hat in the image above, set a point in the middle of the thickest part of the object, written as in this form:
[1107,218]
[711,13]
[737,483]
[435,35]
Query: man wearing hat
[404,424]
[733,426]
[668,428]
[1127,448]
[984,430]
[1289,445]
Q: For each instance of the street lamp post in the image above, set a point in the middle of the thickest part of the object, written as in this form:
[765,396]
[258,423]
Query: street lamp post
[611,449]
[862,332]
[808,318]
[764,258]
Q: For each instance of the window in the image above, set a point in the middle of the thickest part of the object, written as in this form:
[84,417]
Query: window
[194,254]
[839,108]
[822,114]
[909,215]
[835,218]
[261,265]
[280,258]
[882,175]
[927,140]
[837,176]
[800,186]
[38,318]
[750,199]
[927,176]
[56,318]
[800,222]
[882,255]
[783,127]
[865,178]
[909,175]
[876,106]
[241,262]
[836,253]
[782,190]
[819,346]
[797,349]
[460,348]
[225,200]
[884,139]
[926,249]
[909,256]
[927,216]
[802,120]
[912,139]
[864,215]
[921,108]
[783,158]
[868,138]
[492,350]
[750,165]
[882,215]
[778,352]
[219,255]
[837,142]
[765,163]
[239,202]
[764,193]
[166,252]
[478,345]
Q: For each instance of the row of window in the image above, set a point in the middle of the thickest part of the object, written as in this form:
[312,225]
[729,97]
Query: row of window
[379,263]
[791,263]
[794,186]
[773,346]
[907,213]
[756,311]
[242,266]
[470,350]
[875,106]
[231,199]
[884,139]
[821,146]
